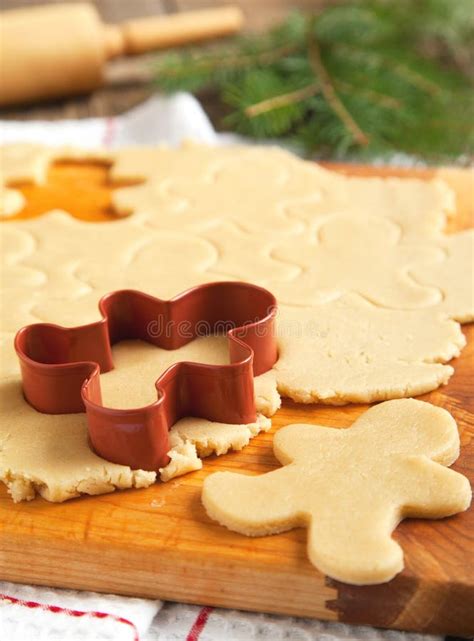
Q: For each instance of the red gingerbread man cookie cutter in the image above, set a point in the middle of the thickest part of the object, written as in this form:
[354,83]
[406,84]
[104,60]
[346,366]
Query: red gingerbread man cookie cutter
[61,367]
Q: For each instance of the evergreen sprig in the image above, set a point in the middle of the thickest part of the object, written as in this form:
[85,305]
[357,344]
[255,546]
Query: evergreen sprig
[364,78]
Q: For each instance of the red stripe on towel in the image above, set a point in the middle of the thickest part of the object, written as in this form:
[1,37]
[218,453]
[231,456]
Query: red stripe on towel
[55,609]
[110,129]
[199,624]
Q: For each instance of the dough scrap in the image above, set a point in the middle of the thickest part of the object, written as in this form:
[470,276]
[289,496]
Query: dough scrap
[193,439]
[241,213]
[350,488]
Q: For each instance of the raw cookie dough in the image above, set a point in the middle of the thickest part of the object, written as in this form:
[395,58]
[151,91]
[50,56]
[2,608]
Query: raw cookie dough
[11,201]
[266,190]
[350,488]
[50,454]
[29,163]
[362,352]
[137,365]
[365,255]
[458,299]
[25,162]
[249,213]
[131,384]
[192,439]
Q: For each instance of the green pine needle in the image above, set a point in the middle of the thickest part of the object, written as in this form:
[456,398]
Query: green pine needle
[364,78]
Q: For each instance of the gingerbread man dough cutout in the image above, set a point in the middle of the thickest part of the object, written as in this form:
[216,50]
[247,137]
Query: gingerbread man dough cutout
[350,487]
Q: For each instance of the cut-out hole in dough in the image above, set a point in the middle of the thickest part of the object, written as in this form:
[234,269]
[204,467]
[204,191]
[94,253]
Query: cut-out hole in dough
[82,188]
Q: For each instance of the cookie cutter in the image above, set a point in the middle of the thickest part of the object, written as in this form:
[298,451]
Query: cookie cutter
[61,367]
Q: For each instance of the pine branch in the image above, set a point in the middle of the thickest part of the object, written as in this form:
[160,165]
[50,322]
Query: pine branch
[236,61]
[276,102]
[374,96]
[327,88]
[412,76]
[364,78]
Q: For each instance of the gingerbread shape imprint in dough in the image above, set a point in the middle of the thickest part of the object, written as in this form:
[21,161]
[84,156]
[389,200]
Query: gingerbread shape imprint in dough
[350,488]
[257,214]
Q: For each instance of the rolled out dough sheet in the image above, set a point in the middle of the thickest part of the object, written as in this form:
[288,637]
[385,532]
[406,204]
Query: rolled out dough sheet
[369,287]
[51,455]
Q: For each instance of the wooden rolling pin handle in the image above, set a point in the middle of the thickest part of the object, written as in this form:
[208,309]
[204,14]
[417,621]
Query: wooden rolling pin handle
[147,34]
[114,41]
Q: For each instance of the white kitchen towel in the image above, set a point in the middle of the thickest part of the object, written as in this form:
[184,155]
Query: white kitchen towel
[30,613]
[177,622]
[42,614]
[158,120]
[66,615]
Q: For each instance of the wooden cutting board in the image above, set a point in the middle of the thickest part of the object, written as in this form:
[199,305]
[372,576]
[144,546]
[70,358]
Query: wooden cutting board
[158,542]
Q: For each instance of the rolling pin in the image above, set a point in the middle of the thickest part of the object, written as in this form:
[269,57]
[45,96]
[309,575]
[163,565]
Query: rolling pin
[58,50]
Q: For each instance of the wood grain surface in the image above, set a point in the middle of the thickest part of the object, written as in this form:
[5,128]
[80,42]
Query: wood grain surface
[158,542]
